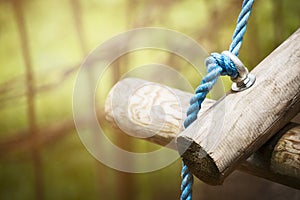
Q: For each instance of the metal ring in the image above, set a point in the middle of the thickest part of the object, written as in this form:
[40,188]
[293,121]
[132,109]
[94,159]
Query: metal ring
[244,80]
[242,70]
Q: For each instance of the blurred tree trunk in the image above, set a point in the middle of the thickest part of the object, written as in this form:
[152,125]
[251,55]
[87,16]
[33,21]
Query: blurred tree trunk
[101,170]
[37,162]
[278,21]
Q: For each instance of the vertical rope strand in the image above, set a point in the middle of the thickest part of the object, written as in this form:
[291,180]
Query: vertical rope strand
[216,64]
[241,27]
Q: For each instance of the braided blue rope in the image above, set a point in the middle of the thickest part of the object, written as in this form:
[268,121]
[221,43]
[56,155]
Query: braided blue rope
[217,65]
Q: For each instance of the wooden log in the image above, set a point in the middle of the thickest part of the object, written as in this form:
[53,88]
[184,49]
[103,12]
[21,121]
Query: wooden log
[280,165]
[237,125]
[129,105]
[286,154]
[135,106]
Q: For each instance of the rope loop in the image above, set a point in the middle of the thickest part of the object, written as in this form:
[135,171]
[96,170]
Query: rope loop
[224,62]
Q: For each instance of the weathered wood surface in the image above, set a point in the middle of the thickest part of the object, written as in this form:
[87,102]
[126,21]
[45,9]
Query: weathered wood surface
[238,124]
[282,165]
[135,106]
[286,154]
[156,112]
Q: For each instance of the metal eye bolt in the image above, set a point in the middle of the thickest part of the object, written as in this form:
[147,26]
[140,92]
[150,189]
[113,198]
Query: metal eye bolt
[244,80]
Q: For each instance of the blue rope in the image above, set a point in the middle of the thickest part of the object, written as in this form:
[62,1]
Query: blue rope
[217,65]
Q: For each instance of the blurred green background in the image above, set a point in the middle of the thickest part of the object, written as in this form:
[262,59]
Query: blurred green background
[42,46]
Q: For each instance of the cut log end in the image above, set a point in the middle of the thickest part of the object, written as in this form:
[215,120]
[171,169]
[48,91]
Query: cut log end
[199,161]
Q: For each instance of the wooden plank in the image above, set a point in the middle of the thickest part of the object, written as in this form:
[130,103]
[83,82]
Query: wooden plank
[237,125]
[160,124]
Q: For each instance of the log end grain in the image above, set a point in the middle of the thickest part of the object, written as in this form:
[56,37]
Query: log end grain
[200,162]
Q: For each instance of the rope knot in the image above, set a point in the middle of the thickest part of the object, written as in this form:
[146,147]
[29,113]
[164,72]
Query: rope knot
[224,62]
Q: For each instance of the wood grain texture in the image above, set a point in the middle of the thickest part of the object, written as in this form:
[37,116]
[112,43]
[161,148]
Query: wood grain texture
[238,124]
[286,154]
[163,130]
[261,163]
[135,106]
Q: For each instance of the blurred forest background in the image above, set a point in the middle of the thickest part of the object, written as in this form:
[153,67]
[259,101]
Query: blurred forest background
[42,46]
